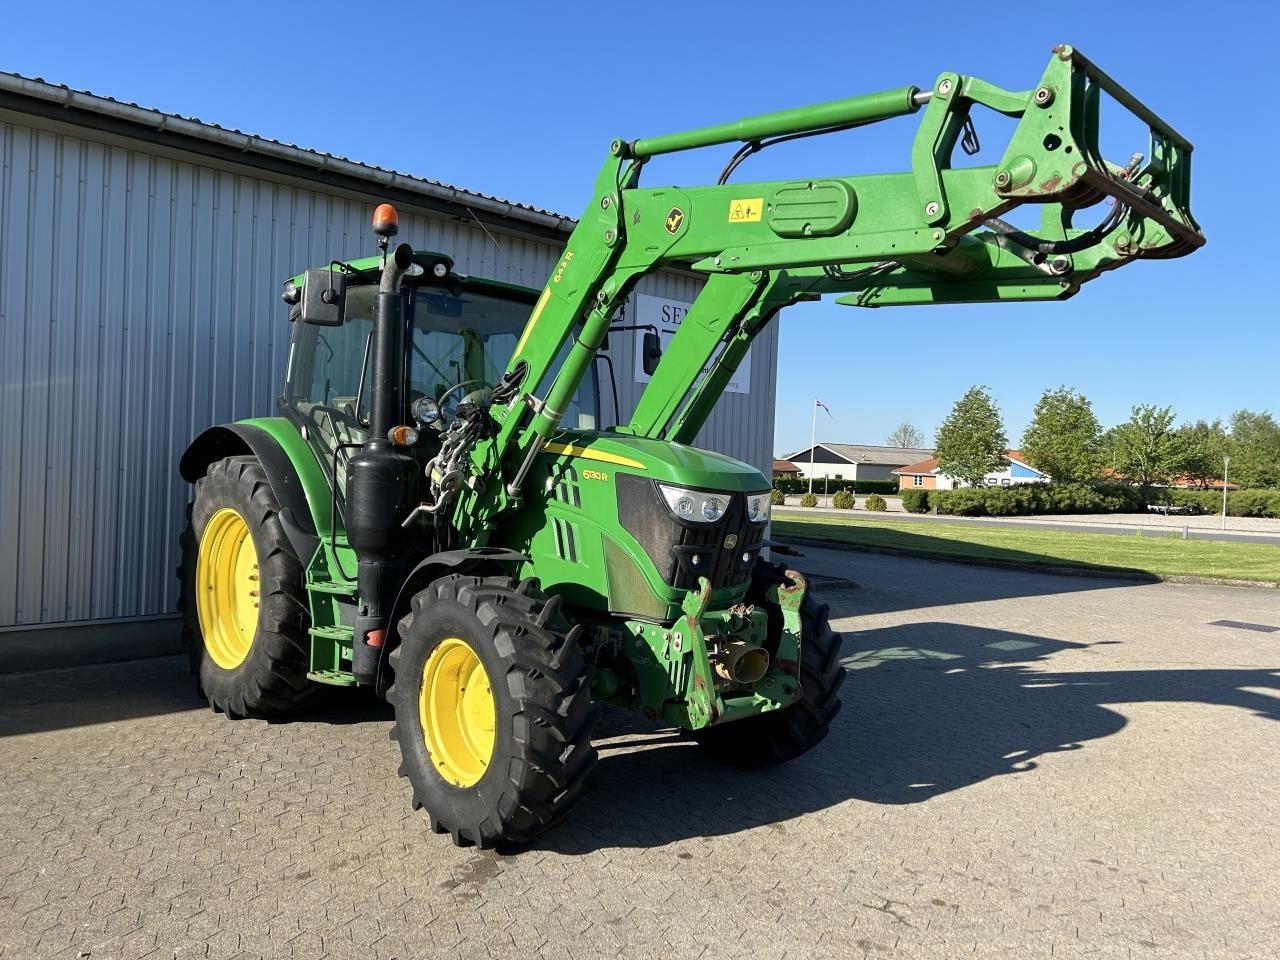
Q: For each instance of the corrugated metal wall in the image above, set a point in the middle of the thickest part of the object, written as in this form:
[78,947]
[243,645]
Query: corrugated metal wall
[139,303]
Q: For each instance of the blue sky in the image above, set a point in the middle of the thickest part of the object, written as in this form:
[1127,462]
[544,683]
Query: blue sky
[521,100]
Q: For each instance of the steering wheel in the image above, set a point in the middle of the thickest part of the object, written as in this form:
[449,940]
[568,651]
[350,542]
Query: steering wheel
[451,398]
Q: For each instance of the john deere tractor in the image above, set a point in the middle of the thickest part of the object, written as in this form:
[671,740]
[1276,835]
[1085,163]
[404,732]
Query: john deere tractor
[436,512]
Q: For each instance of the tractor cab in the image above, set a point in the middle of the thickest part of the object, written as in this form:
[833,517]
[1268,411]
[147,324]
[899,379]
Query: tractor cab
[459,333]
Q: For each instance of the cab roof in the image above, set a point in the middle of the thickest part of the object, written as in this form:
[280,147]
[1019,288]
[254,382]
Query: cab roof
[366,270]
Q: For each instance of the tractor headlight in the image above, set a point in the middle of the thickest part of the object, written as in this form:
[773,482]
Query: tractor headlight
[758,506]
[425,410]
[695,506]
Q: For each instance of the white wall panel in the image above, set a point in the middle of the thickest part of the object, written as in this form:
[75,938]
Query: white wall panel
[139,304]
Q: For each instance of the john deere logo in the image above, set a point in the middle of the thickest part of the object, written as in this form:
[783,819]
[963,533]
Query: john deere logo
[674,219]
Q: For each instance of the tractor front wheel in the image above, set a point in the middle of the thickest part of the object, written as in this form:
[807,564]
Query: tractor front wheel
[493,709]
[243,600]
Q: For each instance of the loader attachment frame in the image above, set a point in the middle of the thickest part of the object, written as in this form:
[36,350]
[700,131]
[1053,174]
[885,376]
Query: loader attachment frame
[931,234]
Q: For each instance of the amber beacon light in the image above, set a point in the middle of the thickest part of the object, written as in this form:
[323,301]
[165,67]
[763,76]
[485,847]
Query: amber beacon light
[386,221]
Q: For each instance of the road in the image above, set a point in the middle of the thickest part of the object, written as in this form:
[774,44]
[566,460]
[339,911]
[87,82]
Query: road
[1026,766]
[1154,526]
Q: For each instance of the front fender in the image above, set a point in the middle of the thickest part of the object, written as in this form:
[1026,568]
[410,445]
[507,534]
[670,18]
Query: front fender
[433,567]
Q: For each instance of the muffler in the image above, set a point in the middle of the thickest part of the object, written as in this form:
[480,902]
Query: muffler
[739,662]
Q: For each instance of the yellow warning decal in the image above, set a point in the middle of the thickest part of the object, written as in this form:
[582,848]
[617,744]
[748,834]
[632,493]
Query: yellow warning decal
[746,211]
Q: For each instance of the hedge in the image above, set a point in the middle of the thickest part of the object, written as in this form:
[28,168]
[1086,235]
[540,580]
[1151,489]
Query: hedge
[843,500]
[915,501]
[809,500]
[876,503]
[1047,498]
[798,484]
[1030,498]
[1240,503]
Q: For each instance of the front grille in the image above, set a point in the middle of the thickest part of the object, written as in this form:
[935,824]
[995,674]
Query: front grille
[673,545]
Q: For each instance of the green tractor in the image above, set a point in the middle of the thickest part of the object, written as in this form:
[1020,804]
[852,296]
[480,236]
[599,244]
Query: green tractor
[435,511]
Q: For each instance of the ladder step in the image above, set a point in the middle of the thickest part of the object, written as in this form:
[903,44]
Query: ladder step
[333,633]
[332,677]
[337,589]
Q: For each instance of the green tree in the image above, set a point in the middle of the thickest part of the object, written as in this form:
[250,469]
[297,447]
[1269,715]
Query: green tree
[971,441]
[905,435]
[1148,450]
[1206,443]
[1064,437]
[1254,449]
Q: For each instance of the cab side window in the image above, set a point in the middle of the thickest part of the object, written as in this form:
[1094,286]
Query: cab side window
[325,368]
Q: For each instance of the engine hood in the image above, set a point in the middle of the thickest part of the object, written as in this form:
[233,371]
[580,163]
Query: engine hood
[657,459]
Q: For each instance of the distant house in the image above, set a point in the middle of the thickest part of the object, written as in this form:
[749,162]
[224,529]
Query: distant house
[926,475]
[784,468]
[853,461]
[1182,482]
[1187,482]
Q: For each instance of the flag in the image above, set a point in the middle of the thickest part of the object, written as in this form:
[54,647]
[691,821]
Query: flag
[825,407]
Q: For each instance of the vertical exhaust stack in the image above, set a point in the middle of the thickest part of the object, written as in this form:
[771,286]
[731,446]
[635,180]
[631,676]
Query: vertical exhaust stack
[381,478]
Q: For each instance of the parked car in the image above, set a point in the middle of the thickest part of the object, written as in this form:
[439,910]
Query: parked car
[1177,509]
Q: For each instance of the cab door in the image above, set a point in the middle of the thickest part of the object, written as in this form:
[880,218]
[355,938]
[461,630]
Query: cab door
[327,387]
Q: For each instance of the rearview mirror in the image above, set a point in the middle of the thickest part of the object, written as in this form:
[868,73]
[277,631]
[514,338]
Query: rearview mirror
[651,345]
[324,297]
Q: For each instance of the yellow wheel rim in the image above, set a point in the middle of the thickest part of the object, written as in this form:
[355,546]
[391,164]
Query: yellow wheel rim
[455,705]
[227,588]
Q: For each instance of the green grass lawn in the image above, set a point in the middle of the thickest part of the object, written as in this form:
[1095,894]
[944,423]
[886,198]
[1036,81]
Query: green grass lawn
[1160,555]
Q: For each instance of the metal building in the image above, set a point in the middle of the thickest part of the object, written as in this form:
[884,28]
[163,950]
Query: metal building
[141,257]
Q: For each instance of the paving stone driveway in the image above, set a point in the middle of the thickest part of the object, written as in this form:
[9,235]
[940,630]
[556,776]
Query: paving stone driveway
[1026,766]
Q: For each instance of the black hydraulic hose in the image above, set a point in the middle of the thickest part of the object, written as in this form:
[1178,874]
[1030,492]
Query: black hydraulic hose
[1054,247]
[755,146]
[1087,239]
[835,272]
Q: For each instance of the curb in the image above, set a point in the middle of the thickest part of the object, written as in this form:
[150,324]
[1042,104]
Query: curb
[50,646]
[1139,576]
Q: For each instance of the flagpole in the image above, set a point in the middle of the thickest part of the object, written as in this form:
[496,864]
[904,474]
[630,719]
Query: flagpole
[813,442]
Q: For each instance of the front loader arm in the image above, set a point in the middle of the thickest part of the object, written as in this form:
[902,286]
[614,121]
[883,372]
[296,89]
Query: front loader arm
[932,234]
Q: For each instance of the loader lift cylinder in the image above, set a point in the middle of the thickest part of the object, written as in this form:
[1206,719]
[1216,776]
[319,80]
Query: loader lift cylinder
[831,115]
[380,478]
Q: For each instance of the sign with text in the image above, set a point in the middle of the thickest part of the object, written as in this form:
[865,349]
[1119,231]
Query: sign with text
[667,316]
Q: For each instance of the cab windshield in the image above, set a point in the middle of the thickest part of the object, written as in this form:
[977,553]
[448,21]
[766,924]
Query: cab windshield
[461,344]
[456,346]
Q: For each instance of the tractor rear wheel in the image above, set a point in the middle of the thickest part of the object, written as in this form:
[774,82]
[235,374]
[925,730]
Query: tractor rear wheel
[785,734]
[493,709]
[243,599]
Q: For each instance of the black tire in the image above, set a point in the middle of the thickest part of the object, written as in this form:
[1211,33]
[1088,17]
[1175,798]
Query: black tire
[542,750]
[783,735]
[272,678]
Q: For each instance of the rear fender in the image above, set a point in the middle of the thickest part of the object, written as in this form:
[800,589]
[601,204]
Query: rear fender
[292,470]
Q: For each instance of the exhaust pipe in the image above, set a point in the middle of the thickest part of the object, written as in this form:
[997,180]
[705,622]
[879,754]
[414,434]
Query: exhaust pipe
[739,662]
[381,478]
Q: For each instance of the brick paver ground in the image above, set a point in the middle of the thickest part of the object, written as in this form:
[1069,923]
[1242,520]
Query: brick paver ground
[1026,766]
